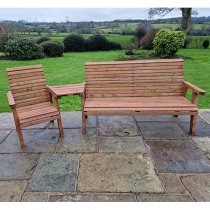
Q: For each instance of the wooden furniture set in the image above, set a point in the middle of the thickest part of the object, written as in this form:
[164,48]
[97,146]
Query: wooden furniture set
[149,87]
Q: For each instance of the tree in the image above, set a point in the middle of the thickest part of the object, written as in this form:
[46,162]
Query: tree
[186,16]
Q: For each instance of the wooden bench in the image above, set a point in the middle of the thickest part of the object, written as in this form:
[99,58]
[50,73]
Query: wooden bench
[149,87]
[30,100]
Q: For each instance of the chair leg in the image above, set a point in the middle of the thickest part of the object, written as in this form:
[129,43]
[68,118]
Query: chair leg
[20,135]
[60,127]
[83,123]
[192,125]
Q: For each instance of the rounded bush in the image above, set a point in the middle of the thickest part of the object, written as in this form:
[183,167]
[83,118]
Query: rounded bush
[52,48]
[100,43]
[23,49]
[205,43]
[166,43]
[42,39]
[74,43]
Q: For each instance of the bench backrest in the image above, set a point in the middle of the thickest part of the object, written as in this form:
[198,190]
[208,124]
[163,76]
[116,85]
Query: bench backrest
[162,77]
[28,85]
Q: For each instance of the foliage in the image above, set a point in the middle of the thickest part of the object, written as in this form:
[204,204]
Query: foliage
[42,39]
[23,49]
[205,43]
[146,42]
[52,48]
[166,43]
[74,43]
[100,43]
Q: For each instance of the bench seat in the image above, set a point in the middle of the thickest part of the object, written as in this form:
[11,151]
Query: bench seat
[139,105]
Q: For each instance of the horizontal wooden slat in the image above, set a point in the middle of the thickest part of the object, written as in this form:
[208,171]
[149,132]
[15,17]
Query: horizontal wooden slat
[24,68]
[22,79]
[135,62]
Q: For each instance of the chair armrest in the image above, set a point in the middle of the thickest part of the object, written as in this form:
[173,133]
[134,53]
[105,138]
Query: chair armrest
[194,88]
[51,92]
[11,100]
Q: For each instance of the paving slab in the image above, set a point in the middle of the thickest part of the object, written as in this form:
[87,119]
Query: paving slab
[17,166]
[34,197]
[122,144]
[75,141]
[198,185]
[203,143]
[55,173]
[117,126]
[163,118]
[202,128]
[117,173]
[92,198]
[7,121]
[74,120]
[205,114]
[172,184]
[178,157]
[4,134]
[163,130]
[12,191]
[36,141]
[163,198]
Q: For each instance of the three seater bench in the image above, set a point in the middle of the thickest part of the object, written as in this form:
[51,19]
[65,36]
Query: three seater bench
[149,87]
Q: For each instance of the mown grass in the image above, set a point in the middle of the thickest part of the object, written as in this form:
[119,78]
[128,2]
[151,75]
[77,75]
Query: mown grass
[70,69]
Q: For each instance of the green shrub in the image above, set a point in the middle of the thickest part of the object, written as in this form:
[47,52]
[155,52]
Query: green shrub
[166,43]
[23,49]
[100,43]
[52,48]
[42,39]
[205,43]
[74,43]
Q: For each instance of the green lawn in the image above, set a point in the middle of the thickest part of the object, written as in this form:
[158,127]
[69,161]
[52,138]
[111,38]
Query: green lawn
[70,69]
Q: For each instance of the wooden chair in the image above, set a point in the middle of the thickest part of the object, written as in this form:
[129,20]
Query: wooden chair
[29,99]
[149,87]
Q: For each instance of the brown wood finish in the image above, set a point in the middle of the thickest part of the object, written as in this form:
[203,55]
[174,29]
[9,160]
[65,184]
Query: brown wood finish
[30,99]
[149,87]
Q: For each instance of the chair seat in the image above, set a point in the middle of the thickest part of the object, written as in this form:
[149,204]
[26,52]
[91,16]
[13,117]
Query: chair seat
[142,105]
[37,113]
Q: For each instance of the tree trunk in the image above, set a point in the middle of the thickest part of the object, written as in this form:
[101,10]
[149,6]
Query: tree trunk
[186,20]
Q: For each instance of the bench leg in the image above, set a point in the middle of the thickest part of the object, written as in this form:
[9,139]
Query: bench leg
[192,125]
[83,123]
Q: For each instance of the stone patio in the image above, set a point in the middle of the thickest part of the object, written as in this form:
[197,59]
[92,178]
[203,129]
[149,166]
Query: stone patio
[121,158]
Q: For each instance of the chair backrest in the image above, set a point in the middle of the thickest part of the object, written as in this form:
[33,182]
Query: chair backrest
[28,85]
[146,78]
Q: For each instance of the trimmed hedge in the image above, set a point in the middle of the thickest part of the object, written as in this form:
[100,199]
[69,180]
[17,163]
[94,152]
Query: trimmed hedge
[23,49]
[52,48]
[76,43]
[166,43]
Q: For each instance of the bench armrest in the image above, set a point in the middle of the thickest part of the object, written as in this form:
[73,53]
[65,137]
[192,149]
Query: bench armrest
[194,88]
[11,100]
